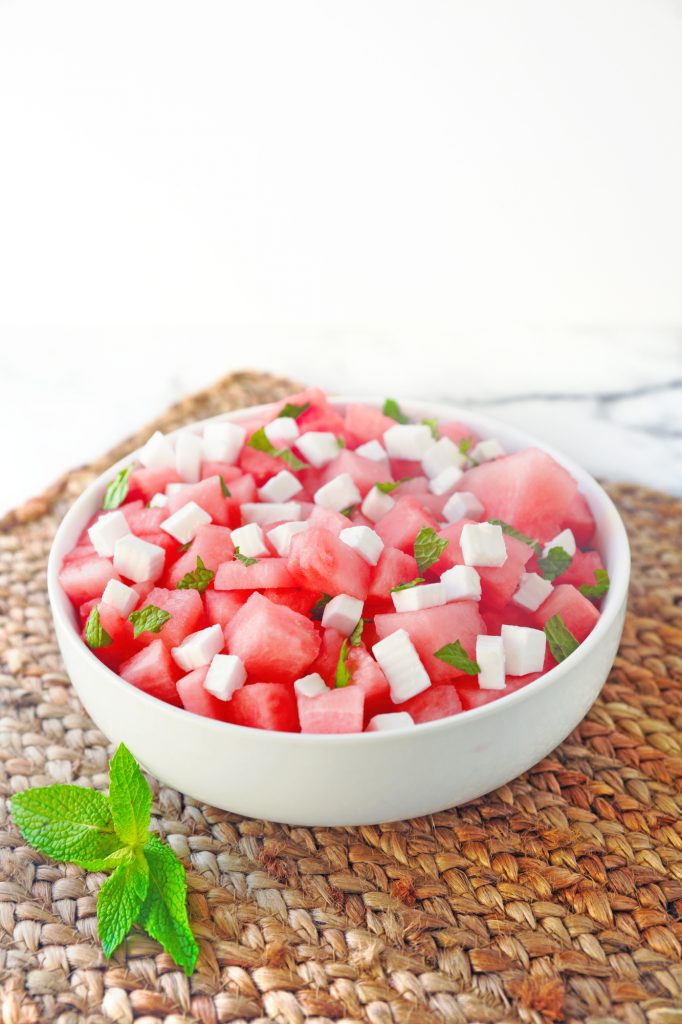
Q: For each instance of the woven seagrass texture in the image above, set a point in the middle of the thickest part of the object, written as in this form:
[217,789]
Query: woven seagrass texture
[556,898]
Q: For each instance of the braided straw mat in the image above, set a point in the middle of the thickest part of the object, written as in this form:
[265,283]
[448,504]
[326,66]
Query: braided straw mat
[556,898]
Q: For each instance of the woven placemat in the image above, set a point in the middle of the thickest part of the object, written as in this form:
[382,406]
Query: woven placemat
[556,898]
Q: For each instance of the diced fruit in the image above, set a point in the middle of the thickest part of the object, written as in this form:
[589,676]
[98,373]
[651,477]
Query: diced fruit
[153,671]
[123,646]
[271,573]
[363,472]
[399,527]
[436,702]
[265,706]
[328,657]
[582,569]
[300,601]
[212,544]
[186,615]
[363,423]
[498,583]
[223,605]
[86,578]
[579,520]
[472,696]
[338,710]
[143,520]
[145,483]
[393,568]
[580,615]
[366,673]
[199,701]
[432,629]
[274,642]
[207,494]
[319,561]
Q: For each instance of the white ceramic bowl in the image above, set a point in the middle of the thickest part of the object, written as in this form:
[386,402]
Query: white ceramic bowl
[352,779]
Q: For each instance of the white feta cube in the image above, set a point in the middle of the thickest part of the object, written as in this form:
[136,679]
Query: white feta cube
[137,559]
[486,451]
[225,676]
[564,540]
[444,454]
[401,665]
[372,450]
[318,447]
[281,487]
[462,583]
[174,488]
[188,453]
[159,500]
[222,442]
[389,722]
[281,430]
[376,504]
[158,452]
[532,591]
[342,613]
[408,441]
[339,494]
[428,595]
[270,512]
[199,649]
[490,658]
[117,595]
[365,541]
[524,649]
[462,505]
[446,480]
[106,531]
[184,523]
[310,686]
[280,536]
[250,540]
[483,544]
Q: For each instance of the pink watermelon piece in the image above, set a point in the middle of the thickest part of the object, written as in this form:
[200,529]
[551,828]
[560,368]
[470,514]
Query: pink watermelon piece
[579,520]
[142,589]
[498,583]
[328,657]
[579,614]
[399,527]
[275,643]
[86,578]
[457,432]
[145,483]
[243,489]
[300,601]
[212,544]
[418,485]
[338,710]
[226,470]
[320,562]
[405,469]
[528,489]
[582,568]
[328,519]
[153,671]
[366,674]
[363,423]
[509,615]
[142,520]
[260,465]
[187,615]
[208,494]
[393,568]
[80,552]
[432,628]
[271,573]
[223,605]
[121,632]
[265,706]
[199,701]
[364,472]
[472,696]
[320,416]
[432,704]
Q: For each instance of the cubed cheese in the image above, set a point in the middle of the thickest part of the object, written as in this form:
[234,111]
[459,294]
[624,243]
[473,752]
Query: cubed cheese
[184,523]
[414,599]
[106,531]
[365,541]
[158,453]
[250,540]
[280,536]
[462,505]
[401,665]
[318,447]
[188,454]
[342,613]
[222,442]
[137,559]
[444,454]
[524,649]
[270,512]
[461,583]
[483,544]
[490,658]
[339,494]
[390,721]
[281,430]
[486,451]
[564,540]
[446,480]
[532,591]
[117,595]
[280,487]
[376,504]
[310,686]
[408,441]
[158,500]
[199,649]
[225,676]
[372,450]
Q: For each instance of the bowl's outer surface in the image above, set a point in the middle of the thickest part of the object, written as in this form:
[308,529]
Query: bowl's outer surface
[352,779]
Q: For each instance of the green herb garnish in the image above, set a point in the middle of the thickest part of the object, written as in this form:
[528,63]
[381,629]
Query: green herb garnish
[428,547]
[147,884]
[95,635]
[433,427]
[465,445]
[388,486]
[148,620]
[355,639]
[511,531]
[554,563]
[317,610]
[197,580]
[559,637]
[393,410]
[262,443]
[244,559]
[407,586]
[224,488]
[342,677]
[599,587]
[455,655]
[294,411]
[117,491]
[347,512]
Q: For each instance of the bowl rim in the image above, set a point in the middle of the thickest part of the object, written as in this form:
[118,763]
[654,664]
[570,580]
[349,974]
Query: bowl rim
[484,426]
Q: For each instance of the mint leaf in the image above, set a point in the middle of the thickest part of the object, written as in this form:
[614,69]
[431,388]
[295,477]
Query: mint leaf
[68,823]
[227,493]
[317,610]
[599,587]
[342,677]
[355,639]
[197,580]
[433,427]
[185,547]
[388,487]
[341,442]
[428,547]
[294,411]
[95,635]
[511,531]
[244,559]
[407,586]
[455,655]
[347,512]
[117,491]
[554,563]
[465,445]
[130,799]
[120,900]
[393,410]
[292,461]
[262,443]
[559,637]
[148,620]
[164,911]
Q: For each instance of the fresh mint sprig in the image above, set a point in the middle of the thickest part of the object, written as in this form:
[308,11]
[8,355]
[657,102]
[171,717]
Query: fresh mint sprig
[293,411]
[149,619]
[559,637]
[393,411]
[554,563]
[407,586]
[599,587]
[117,491]
[244,559]
[317,610]
[199,579]
[428,547]
[262,443]
[455,655]
[433,427]
[511,531]
[95,634]
[342,675]
[147,884]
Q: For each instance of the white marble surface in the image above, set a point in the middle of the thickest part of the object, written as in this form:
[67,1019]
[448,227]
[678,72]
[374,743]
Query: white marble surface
[611,400]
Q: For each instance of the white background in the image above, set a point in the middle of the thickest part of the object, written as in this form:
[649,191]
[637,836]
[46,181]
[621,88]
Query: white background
[467,199]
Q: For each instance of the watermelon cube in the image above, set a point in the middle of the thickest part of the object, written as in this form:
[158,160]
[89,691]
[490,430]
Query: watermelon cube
[457,432]
[498,583]
[321,416]
[579,614]
[186,612]
[436,702]
[328,519]
[223,605]
[212,544]
[143,520]
[265,706]
[199,701]
[226,470]
[433,628]
[528,489]
[582,568]
[208,494]
[472,696]
[259,465]
[365,473]
[363,423]
[366,674]
[320,562]
[80,552]
[399,527]
[123,646]
[338,710]
[145,483]
[300,601]
[328,657]
[153,671]
[275,643]
[87,577]
[393,568]
[272,573]
[579,520]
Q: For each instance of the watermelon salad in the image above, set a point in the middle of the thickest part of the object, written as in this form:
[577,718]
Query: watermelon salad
[335,571]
